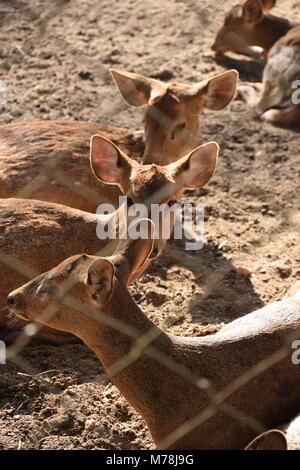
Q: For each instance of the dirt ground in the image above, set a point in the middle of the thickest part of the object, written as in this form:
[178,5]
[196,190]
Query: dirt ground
[60,397]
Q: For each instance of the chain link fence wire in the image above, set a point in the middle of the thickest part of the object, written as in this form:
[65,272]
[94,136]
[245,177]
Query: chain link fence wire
[141,344]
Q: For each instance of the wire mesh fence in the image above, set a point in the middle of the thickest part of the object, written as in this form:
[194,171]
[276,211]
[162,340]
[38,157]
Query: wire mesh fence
[142,344]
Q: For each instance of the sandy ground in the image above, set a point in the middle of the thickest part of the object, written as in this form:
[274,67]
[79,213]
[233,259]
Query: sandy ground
[60,397]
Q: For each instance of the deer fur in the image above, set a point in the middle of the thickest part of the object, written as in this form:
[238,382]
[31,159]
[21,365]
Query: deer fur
[171,380]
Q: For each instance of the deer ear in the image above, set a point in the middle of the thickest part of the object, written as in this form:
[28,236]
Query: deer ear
[138,254]
[107,161]
[253,11]
[140,249]
[197,167]
[100,281]
[221,89]
[270,440]
[217,92]
[136,89]
[268,4]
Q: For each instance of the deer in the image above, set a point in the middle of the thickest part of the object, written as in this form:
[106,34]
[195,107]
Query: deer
[212,392]
[37,234]
[276,100]
[250,25]
[250,29]
[49,160]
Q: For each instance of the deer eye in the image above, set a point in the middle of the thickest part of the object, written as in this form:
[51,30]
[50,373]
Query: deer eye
[178,129]
[48,288]
[52,289]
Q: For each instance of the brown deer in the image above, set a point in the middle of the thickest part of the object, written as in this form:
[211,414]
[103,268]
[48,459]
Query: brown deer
[48,160]
[277,99]
[38,234]
[211,392]
[248,26]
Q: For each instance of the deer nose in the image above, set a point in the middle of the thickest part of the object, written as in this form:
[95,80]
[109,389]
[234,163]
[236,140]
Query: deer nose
[10,301]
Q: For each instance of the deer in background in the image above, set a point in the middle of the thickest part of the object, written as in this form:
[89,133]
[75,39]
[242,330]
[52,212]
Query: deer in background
[161,379]
[48,160]
[40,234]
[248,26]
[277,99]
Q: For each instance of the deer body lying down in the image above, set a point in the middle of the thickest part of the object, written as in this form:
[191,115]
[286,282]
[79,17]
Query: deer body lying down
[155,379]
[250,24]
[39,234]
[56,152]
[279,101]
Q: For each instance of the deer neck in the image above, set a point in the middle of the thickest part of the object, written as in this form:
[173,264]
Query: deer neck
[269,30]
[111,228]
[138,379]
